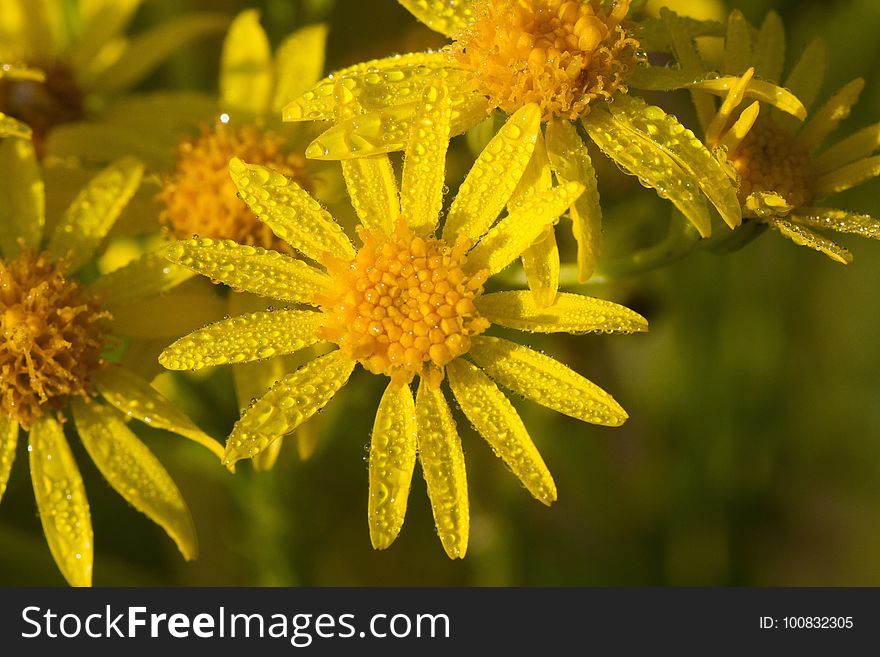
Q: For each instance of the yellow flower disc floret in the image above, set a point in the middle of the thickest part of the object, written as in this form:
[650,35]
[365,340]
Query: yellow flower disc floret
[403,305]
[770,160]
[200,197]
[52,332]
[560,54]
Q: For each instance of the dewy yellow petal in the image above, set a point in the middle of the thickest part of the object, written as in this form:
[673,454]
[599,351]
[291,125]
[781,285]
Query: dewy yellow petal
[290,211]
[135,397]
[847,176]
[95,209]
[769,52]
[495,174]
[299,63]
[392,459]
[495,418]
[373,190]
[731,102]
[737,44]
[289,403]
[738,131]
[513,234]
[777,97]
[546,381]
[243,339]
[805,237]
[8,441]
[250,268]
[571,313]
[860,144]
[246,66]
[424,162]
[444,16]
[571,161]
[61,500]
[22,199]
[148,275]
[134,472]
[826,120]
[443,467]
[839,221]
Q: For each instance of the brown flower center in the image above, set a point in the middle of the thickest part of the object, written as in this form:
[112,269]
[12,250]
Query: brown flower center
[770,160]
[404,305]
[52,333]
[43,105]
[560,54]
[200,197]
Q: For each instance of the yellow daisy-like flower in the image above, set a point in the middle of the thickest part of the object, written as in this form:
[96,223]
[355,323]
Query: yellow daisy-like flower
[572,60]
[84,53]
[408,303]
[783,168]
[56,334]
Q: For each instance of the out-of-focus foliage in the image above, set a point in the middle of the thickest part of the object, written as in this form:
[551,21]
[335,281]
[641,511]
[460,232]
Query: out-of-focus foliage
[752,452]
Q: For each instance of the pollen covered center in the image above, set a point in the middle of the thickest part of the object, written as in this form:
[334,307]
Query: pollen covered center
[560,54]
[770,160]
[403,303]
[200,197]
[52,333]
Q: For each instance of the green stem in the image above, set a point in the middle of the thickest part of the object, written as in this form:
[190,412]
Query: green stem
[680,241]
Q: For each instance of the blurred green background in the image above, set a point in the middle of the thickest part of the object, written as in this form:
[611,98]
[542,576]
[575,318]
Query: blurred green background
[752,456]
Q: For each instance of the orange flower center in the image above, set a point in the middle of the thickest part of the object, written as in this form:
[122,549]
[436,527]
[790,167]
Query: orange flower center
[558,54]
[43,105]
[404,305]
[52,333]
[200,197]
[770,160]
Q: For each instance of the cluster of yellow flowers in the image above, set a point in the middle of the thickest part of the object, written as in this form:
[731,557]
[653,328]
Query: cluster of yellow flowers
[242,198]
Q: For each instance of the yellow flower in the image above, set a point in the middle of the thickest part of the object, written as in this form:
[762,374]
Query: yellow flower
[409,303]
[572,59]
[83,51]
[57,334]
[783,167]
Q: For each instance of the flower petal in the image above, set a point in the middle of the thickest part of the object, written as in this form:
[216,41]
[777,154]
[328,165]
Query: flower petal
[22,199]
[777,97]
[151,47]
[8,441]
[148,275]
[134,472]
[807,75]
[495,418]
[385,130]
[246,66]
[103,24]
[10,127]
[95,209]
[250,268]
[737,44]
[443,467]
[373,190]
[826,120]
[805,237]
[289,403]
[570,313]
[664,130]
[444,16]
[731,102]
[840,221]
[519,229]
[243,339]
[847,176]
[860,144]
[290,211]
[546,381]
[299,63]
[61,501]
[392,459]
[424,161]
[764,205]
[370,85]
[266,460]
[495,174]
[769,52]
[740,128]
[135,397]
[571,162]
[652,165]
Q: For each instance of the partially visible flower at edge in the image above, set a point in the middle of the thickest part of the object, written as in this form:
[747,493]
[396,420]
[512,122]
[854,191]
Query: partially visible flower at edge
[58,336]
[406,304]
